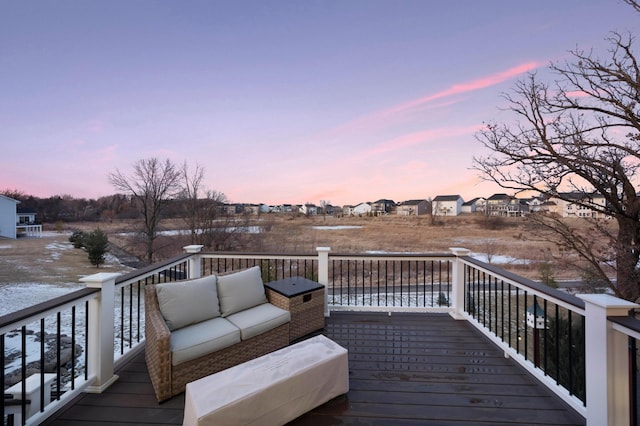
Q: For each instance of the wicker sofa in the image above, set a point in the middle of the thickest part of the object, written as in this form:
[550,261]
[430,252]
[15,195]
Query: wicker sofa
[199,327]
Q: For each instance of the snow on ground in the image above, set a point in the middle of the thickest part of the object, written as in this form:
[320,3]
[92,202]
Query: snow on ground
[169,233]
[336,227]
[390,252]
[19,296]
[55,251]
[16,296]
[499,259]
[483,257]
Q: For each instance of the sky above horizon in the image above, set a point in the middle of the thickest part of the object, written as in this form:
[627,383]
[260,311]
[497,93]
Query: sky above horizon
[279,101]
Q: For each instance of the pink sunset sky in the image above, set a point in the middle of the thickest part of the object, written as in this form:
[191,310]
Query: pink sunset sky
[280,101]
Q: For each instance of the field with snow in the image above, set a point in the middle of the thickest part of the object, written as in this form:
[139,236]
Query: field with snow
[33,270]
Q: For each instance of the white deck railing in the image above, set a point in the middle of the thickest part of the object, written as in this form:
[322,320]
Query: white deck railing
[107,319]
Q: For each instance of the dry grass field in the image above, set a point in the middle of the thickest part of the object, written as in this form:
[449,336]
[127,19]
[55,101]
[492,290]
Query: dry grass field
[53,260]
[390,234]
[412,235]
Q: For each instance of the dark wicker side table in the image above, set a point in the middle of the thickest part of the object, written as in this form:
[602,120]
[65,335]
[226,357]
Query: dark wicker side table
[304,299]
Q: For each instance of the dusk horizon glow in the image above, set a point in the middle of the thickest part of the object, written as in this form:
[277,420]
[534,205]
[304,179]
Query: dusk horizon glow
[280,102]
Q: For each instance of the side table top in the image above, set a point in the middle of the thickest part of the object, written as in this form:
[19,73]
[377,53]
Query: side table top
[294,286]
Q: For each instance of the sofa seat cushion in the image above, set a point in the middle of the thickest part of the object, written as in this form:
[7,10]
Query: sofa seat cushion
[188,302]
[203,338]
[259,319]
[240,290]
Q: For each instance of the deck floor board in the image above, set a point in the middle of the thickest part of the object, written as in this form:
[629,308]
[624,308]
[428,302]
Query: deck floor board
[405,369]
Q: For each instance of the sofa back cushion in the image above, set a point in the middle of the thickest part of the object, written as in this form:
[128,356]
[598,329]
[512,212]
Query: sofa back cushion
[188,302]
[240,290]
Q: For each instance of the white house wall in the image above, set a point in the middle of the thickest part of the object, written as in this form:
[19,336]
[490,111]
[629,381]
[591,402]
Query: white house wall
[362,209]
[8,217]
[447,208]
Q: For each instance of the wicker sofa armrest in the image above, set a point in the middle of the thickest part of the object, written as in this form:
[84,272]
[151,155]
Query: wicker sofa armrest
[157,345]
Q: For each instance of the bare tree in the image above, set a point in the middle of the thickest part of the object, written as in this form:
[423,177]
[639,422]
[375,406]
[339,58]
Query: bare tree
[580,134]
[324,205]
[152,183]
[192,186]
[634,4]
[204,214]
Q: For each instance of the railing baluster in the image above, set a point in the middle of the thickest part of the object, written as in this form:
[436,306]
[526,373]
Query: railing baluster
[558,343]
[400,262]
[73,345]
[2,373]
[86,337]
[546,336]
[23,372]
[58,357]
[42,361]
[122,319]
[518,319]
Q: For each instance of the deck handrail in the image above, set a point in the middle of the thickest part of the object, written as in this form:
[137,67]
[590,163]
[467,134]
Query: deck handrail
[526,320]
[470,290]
[565,299]
[25,316]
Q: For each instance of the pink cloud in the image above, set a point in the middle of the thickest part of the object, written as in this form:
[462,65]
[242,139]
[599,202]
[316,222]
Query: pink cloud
[391,115]
[461,88]
[577,94]
[417,138]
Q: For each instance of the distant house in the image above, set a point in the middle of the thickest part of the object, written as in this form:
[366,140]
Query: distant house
[412,208]
[253,209]
[382,206]
[499,204]
[477,204]
[447,205]
[233,209]
[361,209]
[578,204]
[536,204]
[309,209]
[283,208]
[329,209]
[8,217]
[14,220]
[347,210]
[26,216]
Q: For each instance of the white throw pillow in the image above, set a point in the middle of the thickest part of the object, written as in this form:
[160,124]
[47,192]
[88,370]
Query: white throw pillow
[188,302]
[240,290]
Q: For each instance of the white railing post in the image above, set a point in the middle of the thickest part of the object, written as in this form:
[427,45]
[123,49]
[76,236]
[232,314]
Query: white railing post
[101,331]
[194,261]
[323,274]
[607,361]
[457,292]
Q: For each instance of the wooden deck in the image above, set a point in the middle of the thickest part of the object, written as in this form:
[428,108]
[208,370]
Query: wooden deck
[405,369]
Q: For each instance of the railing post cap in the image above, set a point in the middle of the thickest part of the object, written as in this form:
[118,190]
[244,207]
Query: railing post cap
[99,278]
[609,302]
[460,251]
[321,249]
[193,248]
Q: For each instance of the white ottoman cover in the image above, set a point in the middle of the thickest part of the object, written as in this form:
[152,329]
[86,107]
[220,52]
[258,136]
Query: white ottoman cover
[271,390]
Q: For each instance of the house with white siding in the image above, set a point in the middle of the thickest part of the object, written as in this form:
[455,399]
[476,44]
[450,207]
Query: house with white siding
[447,205]
[361,209]
[578,204]
[478,204]
[8,217]
[13,222]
